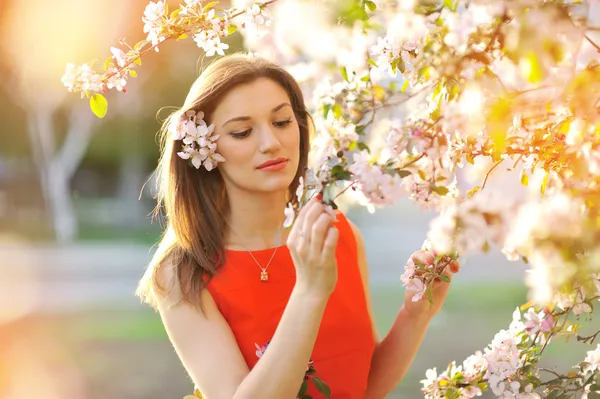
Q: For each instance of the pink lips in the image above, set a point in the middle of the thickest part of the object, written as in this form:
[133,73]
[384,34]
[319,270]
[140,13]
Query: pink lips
[274,165]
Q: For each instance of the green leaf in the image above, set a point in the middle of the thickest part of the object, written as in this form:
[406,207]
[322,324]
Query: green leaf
[107,62]
[544,183]
[430,295]
[99,105]
[441,190]
[140,45]
[453,90]
[531,67]
[344,73]
[231,29]
[444,278]
[363,147]
[337,111]
[422,174]
[404,173]
[554,394]
[370,5]
[338,172]
[405,85]
[524,178]
[303,388]
[401,65]
[486,247]
[372,62]
[209,6]
[322,387]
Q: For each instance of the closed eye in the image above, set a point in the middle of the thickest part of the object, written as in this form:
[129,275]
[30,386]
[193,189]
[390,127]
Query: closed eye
[283,123]
[241,135]
[246,133]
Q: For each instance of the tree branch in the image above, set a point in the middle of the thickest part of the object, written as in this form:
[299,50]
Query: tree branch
[488,173]
[592,42]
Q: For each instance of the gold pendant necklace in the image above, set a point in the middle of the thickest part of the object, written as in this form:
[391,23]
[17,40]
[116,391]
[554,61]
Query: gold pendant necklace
[264,275]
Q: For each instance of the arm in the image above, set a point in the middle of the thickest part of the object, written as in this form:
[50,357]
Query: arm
[395,353]
[208,350]
[207,346]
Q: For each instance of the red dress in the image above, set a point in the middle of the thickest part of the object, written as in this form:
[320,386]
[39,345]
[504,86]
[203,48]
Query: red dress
[344,346]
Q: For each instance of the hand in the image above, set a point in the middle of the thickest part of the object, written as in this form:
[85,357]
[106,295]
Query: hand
[422,307]
[312,244]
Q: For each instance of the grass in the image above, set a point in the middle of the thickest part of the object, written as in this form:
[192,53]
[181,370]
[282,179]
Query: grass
[496,300]
[468,322]
[147,235]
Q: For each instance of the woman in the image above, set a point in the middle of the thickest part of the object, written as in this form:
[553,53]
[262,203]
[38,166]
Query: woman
[254,311]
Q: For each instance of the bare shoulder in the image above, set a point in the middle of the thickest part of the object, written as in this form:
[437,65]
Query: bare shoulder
[160,281]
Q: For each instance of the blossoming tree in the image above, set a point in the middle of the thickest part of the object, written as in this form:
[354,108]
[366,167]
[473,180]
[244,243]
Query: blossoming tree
[516,83]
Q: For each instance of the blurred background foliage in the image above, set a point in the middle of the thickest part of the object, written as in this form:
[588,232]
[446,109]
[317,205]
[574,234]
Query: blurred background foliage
[70,327]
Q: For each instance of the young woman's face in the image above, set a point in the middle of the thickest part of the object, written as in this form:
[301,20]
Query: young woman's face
[259,137]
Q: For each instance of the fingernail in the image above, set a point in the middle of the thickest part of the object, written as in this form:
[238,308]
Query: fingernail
[319,197]
[454,268]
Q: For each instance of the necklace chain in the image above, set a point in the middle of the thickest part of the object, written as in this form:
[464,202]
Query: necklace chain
[264,275]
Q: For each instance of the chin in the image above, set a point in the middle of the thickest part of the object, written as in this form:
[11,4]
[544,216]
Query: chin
[276,182]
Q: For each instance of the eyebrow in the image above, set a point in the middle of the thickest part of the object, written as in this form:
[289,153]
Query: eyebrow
[246,118]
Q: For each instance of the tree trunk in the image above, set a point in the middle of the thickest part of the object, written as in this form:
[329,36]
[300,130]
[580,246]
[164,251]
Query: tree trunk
[56,168]
[62,211]
[131,178]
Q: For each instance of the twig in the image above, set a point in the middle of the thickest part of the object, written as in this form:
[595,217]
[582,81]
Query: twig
[589,339]
[344,190]
[173,36]
[488,173]
[549,371]
[410,96]
[406,165]
[591,42]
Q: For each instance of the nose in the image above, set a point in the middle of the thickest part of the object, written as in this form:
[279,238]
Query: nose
[269,142]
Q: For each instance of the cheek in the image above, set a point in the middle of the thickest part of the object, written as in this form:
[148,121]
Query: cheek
[293,139]
[235,151]
[236,157]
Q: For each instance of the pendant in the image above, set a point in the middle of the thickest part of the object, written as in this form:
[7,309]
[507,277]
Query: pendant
[264,276]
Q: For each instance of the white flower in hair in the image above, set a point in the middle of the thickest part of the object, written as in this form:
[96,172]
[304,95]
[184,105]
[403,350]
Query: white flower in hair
[199,141]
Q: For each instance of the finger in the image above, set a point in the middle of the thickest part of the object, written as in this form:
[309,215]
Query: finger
[330,244]
[312,215]
[451,268]
[449,271]
[454,266]
[423,257]
[296,232]
[318,233]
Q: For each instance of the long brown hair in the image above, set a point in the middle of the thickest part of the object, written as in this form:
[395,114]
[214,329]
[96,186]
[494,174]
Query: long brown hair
[194,201]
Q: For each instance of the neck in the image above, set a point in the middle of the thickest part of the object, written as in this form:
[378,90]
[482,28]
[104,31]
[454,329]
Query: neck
[256,221]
